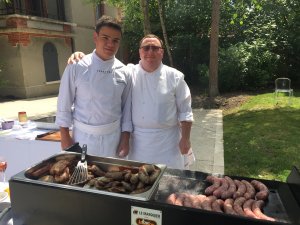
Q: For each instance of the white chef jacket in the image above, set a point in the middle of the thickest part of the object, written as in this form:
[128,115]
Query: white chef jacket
[95,92]
[160,100]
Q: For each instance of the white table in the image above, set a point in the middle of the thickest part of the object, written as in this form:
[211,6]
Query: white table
[22,151]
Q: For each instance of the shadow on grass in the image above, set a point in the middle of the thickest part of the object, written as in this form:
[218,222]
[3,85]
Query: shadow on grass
[262,144]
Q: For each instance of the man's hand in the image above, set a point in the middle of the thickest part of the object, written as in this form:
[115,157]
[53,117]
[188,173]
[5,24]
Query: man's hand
[75,57]
[66,139]
[184,145]
[123,148]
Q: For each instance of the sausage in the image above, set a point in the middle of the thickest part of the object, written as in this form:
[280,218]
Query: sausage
[96,170]
[180,199]
[41,171]
[238,206]
[216,182]
[143,177]
[188,200]
[217,205]
[257,207]
[155,173]
[63,177]
[197,201]
[171,198]
[128,187]
[228,206]
[206,204]
[250,193]
[247,207]
[241,189]
[47,178]
[147,169]
[127,176]
[59,167]
[224,186]
[230,191]
[116,175]
[262,190]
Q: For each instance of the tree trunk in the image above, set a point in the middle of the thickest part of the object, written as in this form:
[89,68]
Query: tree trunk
[163,27]
[214,45]
[145,11]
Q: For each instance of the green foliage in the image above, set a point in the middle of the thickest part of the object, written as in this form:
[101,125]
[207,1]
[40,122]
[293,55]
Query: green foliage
[247,67]
[259,40]
[272,29]
[261,138]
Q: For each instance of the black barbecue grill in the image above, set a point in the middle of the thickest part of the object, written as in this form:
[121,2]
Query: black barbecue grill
[41,203]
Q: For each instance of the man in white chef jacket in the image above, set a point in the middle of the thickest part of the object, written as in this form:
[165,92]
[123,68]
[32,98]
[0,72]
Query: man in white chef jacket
[95,97]
[161,108]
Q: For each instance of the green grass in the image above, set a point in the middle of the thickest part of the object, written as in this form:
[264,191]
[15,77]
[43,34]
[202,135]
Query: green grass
[262,138]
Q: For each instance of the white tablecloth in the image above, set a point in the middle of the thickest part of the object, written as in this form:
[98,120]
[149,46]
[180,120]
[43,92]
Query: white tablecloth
[21,150]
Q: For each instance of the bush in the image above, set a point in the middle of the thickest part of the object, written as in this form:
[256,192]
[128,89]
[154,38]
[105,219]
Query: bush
[247,67]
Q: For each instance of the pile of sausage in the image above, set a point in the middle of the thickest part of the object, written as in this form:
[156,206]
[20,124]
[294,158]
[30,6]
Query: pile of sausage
[114,178]
[127,181]
[58,170]
[236,197]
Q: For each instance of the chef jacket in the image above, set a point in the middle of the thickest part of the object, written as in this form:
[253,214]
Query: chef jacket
[159,99]
[95,92]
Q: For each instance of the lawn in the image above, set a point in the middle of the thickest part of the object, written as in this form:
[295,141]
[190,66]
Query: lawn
[262,137]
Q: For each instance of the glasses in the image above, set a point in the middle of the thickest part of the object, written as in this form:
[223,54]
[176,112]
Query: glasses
[152,47]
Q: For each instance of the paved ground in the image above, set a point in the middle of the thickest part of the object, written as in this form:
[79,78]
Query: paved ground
[206,136]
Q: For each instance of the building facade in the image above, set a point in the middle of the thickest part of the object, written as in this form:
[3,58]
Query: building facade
[37,37]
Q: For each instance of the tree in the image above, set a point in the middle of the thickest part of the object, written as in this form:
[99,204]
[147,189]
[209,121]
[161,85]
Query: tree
[164,31]
[145,11]
[214,45]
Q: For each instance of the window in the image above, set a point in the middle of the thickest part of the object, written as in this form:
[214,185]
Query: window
[50,62]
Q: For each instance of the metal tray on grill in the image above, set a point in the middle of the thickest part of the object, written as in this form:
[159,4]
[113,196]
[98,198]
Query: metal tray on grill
[102,162]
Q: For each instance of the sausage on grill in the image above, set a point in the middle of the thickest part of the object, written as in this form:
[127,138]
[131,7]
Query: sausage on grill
[216,182]
[257,207]
[262,190]
[207,203]
[250,193]
[247,206]
[241,189]
[238,205]
[224,186]
[228,206]
[217,205]
[230,191]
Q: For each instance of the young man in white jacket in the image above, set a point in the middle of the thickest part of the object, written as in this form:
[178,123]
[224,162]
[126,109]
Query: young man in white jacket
[95,97]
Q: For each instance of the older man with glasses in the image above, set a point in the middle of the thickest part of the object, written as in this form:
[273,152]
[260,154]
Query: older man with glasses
[161,108]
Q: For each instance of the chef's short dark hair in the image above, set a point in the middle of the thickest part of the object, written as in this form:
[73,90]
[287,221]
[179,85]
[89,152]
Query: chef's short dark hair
[151,36]
[108,21]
